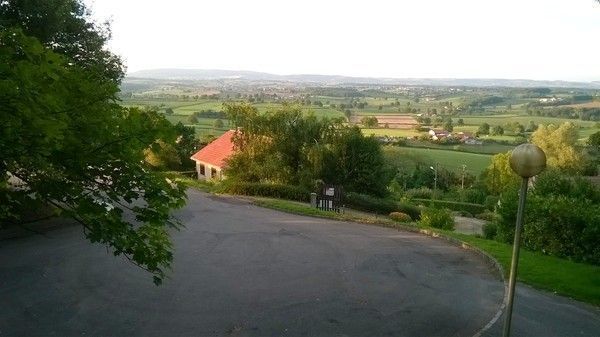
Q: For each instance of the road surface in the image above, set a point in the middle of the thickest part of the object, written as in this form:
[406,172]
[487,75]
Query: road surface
[241,270]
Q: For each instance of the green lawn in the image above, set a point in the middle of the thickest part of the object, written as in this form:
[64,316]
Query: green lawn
[451,160]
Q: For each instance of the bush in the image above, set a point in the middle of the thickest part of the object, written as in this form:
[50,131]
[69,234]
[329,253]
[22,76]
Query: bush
[367,203]
[419,193]
[437,218]
[400,217]
[266,190]
[455,205]
[490,230]
[487,216]
[556,225]
[490,202]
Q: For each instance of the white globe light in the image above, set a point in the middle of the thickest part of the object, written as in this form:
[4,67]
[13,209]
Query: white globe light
[527,160]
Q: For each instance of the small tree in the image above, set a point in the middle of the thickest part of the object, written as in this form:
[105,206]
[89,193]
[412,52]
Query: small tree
[484,129]
[218,124]
[448,125]
[193,119]
[169,111]
[369,121]
[497,130]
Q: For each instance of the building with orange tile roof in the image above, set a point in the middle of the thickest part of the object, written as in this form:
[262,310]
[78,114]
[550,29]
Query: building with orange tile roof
[212,159]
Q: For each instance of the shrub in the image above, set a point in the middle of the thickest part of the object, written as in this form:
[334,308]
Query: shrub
[437,218]
[266,190]
[490,202]
[490,230]
[419,193]
[367,203]
[400,217]
[555,225]
[487,216]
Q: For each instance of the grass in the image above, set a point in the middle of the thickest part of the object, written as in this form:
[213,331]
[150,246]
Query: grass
[449,159]
[523,119]
[489,148]
[576,280]
[390,132]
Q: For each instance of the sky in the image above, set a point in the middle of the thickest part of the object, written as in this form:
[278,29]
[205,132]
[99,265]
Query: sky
[514,39]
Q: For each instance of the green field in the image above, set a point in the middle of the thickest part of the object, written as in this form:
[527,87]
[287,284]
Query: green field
[390,132]
[491,148]
[523,119]
[450,160]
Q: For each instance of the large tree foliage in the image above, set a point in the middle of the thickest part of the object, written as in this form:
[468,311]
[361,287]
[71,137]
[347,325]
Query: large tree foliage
[64,136]
[288,147]
[562,217]
[498,176]
[560,145]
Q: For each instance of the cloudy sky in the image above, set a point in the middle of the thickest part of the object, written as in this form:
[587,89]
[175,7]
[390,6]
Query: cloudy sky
[532,39]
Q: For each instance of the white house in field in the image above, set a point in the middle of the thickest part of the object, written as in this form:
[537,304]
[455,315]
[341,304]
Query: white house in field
[212,158]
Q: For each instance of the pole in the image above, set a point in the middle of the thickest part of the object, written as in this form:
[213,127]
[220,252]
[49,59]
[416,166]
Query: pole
[515,256]
[435,179]
[462,180]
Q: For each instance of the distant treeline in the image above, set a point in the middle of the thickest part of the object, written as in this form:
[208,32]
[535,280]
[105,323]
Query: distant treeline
[336,92]
[584,114]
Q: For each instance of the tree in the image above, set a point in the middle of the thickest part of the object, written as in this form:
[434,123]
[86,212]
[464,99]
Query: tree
[285,146]
[531,126]
[484,129]
[497,130]
[560,145]
[448,125]
[169,111]
[192,119]
[218,124]
[164,156]
[369,121]
[594,140]
[59,81]
[499,176]
[460,122]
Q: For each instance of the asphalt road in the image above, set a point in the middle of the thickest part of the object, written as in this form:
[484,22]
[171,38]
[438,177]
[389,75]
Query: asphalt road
[242,270]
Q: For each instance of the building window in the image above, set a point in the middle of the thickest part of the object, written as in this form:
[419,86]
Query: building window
[202,170]
[213,172]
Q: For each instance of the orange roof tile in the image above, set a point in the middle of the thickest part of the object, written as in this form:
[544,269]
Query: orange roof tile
[216,152]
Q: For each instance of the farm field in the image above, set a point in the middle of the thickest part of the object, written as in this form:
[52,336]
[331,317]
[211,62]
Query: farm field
[491,148]
[396,132]
[523,119]
[451,160]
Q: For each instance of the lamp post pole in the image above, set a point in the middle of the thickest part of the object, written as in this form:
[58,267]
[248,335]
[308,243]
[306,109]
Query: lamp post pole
[527,160]
[515,256]
[435,176]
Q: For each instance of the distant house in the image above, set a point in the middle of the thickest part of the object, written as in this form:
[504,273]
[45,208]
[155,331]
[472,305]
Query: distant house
[212,158]
[438,134]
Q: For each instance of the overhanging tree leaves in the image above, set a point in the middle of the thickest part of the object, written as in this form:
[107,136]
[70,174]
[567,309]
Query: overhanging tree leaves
[63,134]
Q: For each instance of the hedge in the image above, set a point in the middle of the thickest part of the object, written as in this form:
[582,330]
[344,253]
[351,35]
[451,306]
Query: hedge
[280,191]
[454,205]
[367,203]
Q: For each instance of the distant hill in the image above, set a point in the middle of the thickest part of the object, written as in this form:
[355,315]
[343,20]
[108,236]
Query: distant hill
[216,74]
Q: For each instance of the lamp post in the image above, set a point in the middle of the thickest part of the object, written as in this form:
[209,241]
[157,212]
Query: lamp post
[435,170]
[527,160]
